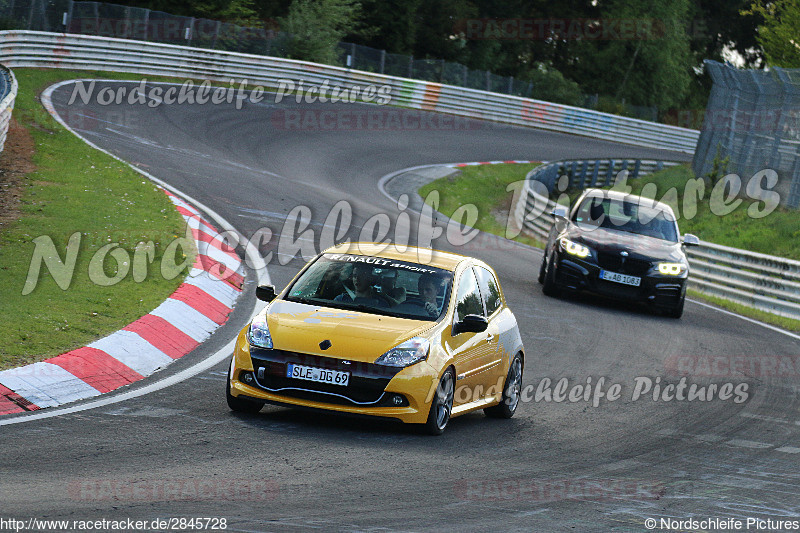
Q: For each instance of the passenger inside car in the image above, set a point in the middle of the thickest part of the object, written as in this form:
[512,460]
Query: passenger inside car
[428,287]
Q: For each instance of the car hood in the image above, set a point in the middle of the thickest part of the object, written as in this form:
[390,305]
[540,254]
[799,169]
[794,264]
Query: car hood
[613,241]
[353,335]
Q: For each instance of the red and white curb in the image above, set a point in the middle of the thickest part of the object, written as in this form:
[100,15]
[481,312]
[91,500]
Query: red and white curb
[188,317]
[476,163]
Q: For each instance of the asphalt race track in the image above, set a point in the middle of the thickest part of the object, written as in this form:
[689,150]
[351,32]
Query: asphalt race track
[568,466]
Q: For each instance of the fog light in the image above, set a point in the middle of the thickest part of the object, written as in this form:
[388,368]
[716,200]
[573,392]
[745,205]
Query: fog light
[397,399]
[248,377]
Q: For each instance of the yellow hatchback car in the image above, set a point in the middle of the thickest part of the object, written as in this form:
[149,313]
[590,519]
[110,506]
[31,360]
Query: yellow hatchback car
[420,336]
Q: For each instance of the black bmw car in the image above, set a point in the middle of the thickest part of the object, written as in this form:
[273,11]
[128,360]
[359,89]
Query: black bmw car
[618,245]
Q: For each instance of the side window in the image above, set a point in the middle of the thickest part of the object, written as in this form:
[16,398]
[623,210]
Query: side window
[489,289]
[469,298]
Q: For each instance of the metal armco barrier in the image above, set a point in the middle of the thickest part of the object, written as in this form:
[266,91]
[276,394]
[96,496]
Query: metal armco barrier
[760,281]
[8,93]
[69,51]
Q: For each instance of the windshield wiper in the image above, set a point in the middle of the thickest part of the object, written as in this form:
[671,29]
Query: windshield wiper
[306,300]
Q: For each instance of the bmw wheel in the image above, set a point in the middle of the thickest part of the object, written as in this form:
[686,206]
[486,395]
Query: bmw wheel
[542,271]
[549,286]
[677,311]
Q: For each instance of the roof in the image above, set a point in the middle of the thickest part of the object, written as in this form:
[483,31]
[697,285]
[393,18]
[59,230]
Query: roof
[413,254]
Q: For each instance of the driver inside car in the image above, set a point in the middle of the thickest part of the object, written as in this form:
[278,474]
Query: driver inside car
[363,279]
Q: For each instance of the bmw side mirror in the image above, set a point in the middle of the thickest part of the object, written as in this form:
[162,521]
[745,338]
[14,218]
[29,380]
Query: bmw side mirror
[471,324]
[559,211]
[691,240]
[266,292]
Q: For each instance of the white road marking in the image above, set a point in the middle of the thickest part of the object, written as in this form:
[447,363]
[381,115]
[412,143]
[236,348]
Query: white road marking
[741,443]
[788,449]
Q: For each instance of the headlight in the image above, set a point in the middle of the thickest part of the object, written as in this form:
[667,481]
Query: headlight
[573,248]
[258,334]
[671,269]
[410,352]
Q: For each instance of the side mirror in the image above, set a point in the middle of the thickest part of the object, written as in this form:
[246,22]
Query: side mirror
[266,292]
[691,240]
[471,324]
[560,211]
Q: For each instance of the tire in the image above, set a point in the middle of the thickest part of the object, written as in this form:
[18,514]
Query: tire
[511,392]
[549,286]
[442,404]
[542,271]
[677,311]
[240,405]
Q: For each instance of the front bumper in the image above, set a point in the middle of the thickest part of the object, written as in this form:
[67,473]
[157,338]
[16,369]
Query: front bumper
[660,291]
[373,390]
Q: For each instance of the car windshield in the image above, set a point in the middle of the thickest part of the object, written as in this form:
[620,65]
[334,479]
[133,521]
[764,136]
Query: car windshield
[628,216]
[374,285]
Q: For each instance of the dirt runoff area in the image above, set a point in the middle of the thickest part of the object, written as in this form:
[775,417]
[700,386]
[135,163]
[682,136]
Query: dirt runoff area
[16,160]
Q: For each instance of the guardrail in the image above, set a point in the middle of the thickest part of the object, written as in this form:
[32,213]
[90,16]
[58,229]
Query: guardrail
[760,281]
[70,51]
[8,94]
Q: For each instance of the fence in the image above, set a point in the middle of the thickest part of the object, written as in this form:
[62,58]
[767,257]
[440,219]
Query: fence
[753,120]
[40,49]
[126,22]
[760,281]
[8,93]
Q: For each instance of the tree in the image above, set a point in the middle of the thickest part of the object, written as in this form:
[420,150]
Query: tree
[645,59]
[316,27]
[779,35]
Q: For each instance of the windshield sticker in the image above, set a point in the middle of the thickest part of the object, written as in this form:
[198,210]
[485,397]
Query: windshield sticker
[377,261]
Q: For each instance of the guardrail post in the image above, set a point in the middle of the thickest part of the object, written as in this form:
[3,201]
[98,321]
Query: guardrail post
[595,172]
[610,172]
[636,167]
[572,172]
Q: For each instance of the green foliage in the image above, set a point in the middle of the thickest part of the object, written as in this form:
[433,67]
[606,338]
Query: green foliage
[779,35]
[317,26]
[719,167]
[550,85]
[652,67]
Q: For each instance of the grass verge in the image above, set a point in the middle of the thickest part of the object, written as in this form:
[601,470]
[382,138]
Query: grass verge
[75,188]
[485,187]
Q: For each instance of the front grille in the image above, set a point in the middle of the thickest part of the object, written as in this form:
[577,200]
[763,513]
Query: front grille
[365,387]
[631,266]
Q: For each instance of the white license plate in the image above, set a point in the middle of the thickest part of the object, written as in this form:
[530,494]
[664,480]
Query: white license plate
[320,375]
[616,277]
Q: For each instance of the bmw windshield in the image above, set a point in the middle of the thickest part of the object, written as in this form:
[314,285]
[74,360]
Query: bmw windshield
[630,217]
